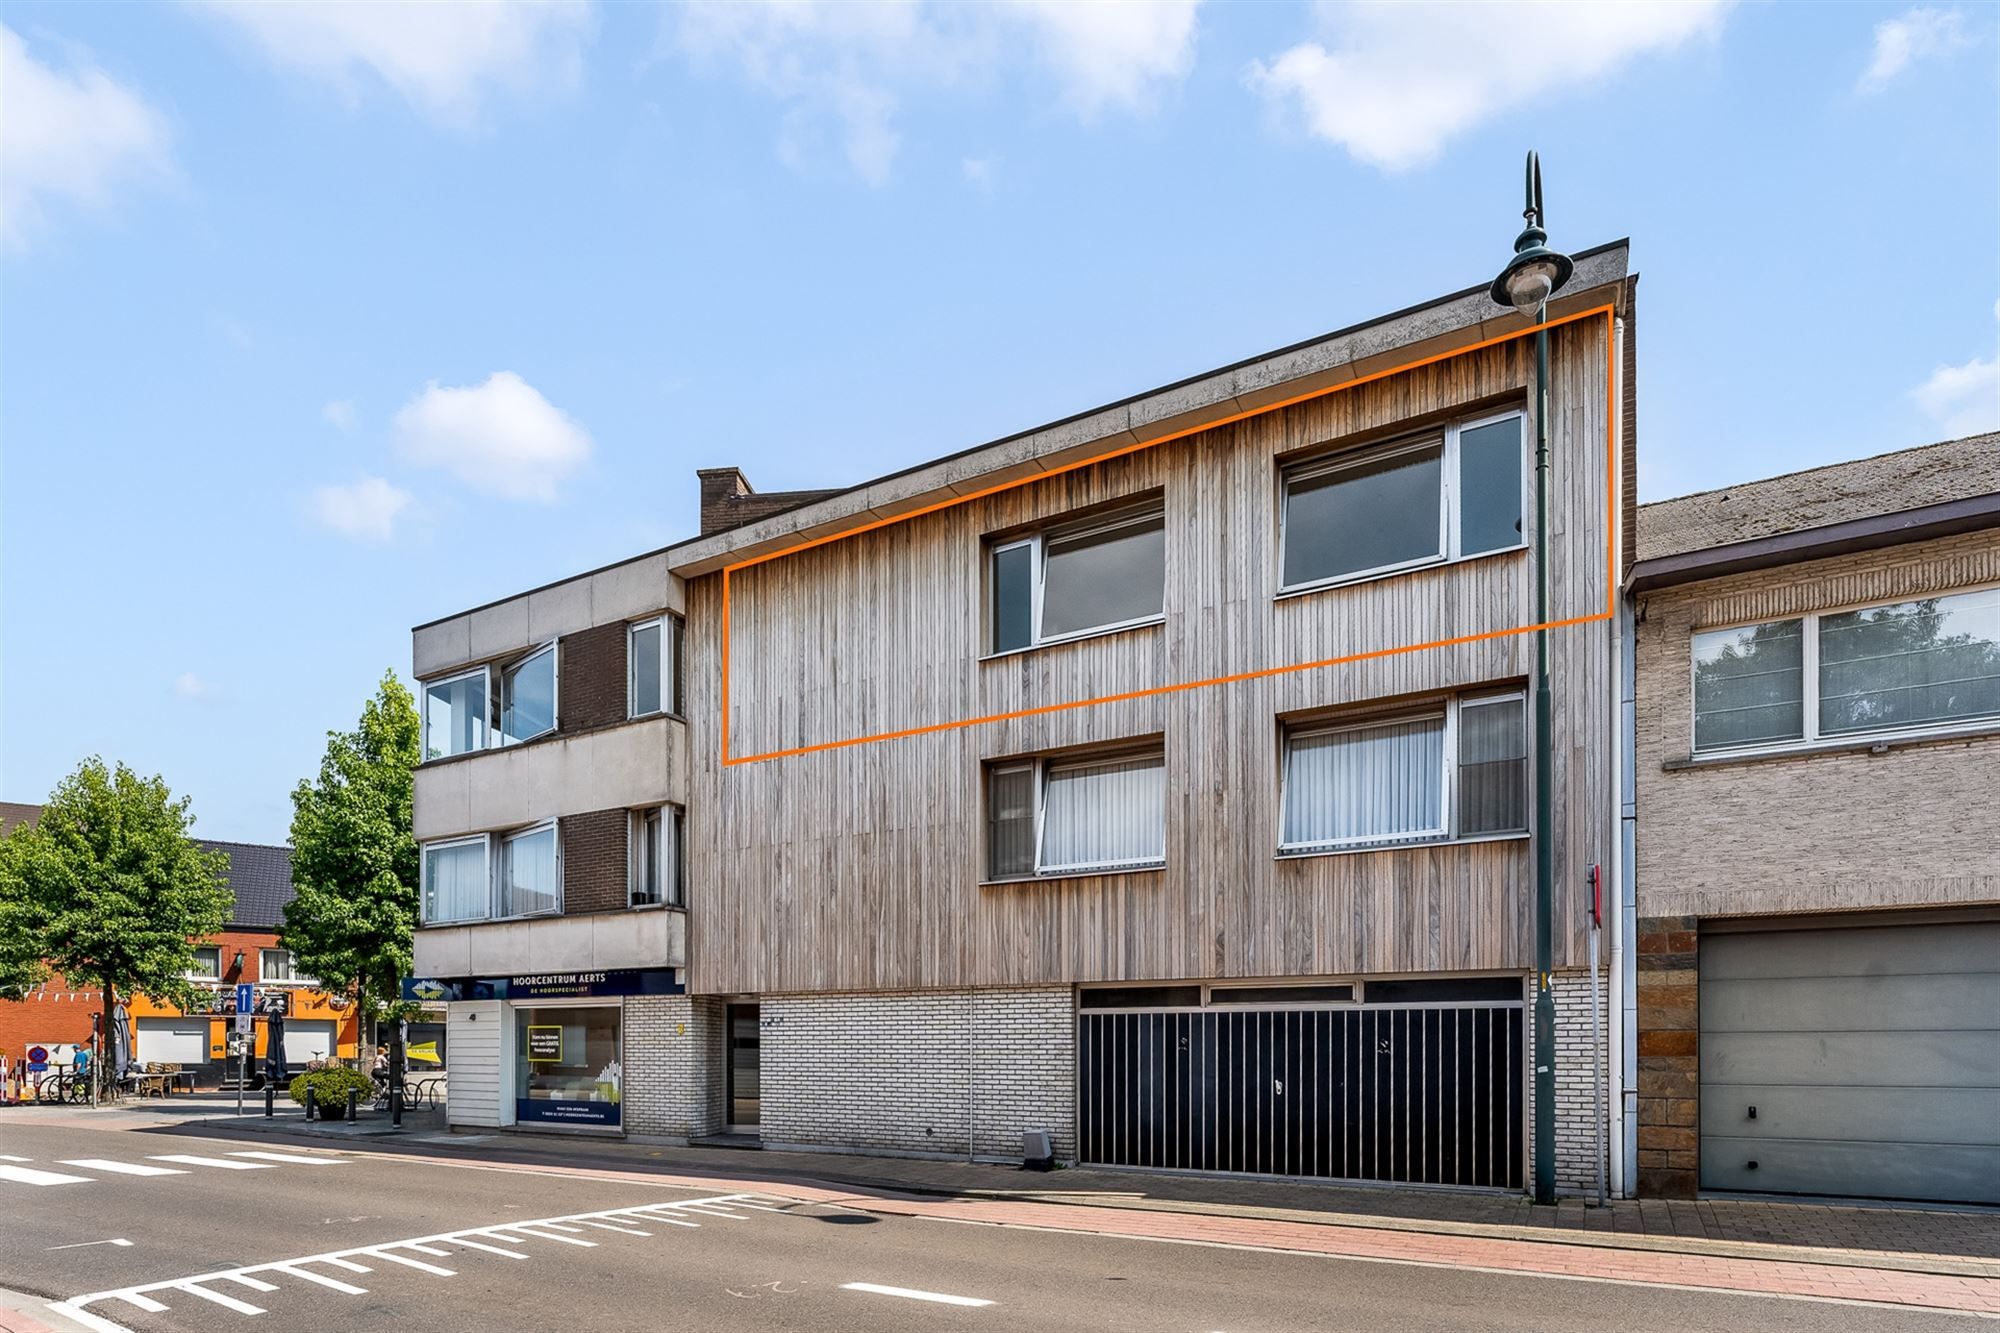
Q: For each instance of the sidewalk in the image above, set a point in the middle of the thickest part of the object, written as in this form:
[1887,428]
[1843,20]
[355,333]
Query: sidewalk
[1958,1242]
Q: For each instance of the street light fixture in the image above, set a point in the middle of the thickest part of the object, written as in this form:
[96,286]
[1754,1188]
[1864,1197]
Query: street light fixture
[1531,277]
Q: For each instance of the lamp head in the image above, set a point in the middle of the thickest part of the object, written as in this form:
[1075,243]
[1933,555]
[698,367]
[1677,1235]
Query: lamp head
[1535,273]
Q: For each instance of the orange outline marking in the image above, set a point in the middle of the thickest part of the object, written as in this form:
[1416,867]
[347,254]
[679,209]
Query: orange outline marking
[1611,389]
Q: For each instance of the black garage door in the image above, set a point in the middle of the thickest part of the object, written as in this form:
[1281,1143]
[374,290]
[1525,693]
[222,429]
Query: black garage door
[1412,1094]
[1859,1062]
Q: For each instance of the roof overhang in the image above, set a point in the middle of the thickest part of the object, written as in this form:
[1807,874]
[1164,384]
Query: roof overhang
[1459,320]
[1948,519]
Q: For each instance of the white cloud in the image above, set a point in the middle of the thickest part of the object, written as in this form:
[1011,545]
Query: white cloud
[1392,83]
[366,510]
[852,64]
[978,172]
[1111,54]
[190,686]
[1918,34]
[73,135]
[1965,400]
[446,59]
[500,437]
[339,414]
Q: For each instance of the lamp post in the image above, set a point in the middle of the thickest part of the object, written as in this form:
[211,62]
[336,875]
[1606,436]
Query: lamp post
[1531,277]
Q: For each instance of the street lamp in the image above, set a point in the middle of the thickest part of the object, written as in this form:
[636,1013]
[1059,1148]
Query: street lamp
[1531,277]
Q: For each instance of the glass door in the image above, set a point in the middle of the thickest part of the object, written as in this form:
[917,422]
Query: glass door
[744,1090]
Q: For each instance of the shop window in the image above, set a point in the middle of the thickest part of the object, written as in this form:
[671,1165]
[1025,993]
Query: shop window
[568,1066]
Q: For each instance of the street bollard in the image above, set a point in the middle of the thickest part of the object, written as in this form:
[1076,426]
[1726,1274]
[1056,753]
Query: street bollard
[396,1107]
[270,1100]
[309,1102]
[352,1115]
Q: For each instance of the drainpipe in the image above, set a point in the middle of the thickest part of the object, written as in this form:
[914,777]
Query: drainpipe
[1614,892]
[1628,901]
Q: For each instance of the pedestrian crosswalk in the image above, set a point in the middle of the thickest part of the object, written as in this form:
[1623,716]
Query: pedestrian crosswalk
[21,1171]
[99,1310]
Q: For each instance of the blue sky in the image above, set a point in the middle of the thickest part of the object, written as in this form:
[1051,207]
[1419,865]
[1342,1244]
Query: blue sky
[317,322]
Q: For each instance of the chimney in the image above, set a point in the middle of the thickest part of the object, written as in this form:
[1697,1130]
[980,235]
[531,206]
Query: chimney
[721,487]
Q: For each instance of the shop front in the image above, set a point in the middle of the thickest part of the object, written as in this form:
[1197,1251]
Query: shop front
[550,1046]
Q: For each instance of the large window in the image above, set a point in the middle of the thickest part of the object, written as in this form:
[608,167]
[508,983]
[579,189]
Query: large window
[530,879]
[456,884]
[656,856]
[654,652]
[1075,816]
[207,964]
[568,1067]
[1083,578]
[1904,666]
[1458,768]
[528,696]
[279,967]
[1445,496]
[455,714]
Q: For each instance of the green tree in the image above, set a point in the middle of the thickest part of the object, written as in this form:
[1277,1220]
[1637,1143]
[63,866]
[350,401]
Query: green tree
[108,888]
[21,965]
[354,856]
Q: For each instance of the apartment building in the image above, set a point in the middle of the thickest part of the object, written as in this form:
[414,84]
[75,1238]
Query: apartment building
[1001,795]
[549,807]
[1818,851]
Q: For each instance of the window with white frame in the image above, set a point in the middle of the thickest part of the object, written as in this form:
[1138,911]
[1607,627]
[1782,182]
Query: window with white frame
[1107,572]
[1896,667]
[528,696]
[455,714]
[279,967]
[207,964]
[530,877]
[654,657]
[656,857]
[1454,769]
[456,883]
[1453,493]
[1074,816]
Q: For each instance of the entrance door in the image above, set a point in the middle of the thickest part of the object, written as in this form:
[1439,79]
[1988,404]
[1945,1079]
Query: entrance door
[745,1094]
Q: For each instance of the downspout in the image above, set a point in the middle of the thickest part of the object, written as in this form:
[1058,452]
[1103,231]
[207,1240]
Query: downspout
[1620,815]
[1626,947]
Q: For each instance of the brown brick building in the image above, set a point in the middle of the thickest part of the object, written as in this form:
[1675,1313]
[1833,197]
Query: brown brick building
[1818,831]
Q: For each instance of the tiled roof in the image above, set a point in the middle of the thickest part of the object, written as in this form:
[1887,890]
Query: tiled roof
[1798,501]
[260,875]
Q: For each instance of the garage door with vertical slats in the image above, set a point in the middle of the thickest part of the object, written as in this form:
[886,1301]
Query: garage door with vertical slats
[1860,1062]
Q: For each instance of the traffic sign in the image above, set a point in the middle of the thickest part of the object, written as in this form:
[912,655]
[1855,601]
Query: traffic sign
[243,1000]
[244,1021]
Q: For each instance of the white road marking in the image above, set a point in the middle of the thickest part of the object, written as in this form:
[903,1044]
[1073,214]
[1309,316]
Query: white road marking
[292,1159]
[136,1296]
[563,1226]
[226,1302]
[222,1162]
[123,1168]
[27,1175]
[344,1288]
[937,1297]
[417,1264]
[86,1244]
[9,1157]
[606,1226]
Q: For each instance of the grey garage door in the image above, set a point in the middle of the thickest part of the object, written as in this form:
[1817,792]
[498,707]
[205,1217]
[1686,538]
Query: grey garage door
[1861,1062]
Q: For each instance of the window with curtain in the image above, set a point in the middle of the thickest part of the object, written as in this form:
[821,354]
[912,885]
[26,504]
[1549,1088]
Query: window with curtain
[656,856]
[528,696]
[456,887]
[1455,494]
[1072,816]
[1457,769]
[1082,578]
[207,964]
[1901,666]
[455,714]
[529,881]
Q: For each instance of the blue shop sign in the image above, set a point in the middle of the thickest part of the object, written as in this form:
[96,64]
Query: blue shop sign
[545,986]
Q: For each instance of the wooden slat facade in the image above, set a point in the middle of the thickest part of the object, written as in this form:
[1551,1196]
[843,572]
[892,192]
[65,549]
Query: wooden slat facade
[859,868]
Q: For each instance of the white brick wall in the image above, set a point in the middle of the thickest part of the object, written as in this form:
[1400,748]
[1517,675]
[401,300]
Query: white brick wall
[1576,1134]
[673,1066]
[915,1072]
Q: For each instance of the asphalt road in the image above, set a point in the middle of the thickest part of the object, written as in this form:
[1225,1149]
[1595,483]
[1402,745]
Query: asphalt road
[367,1242]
